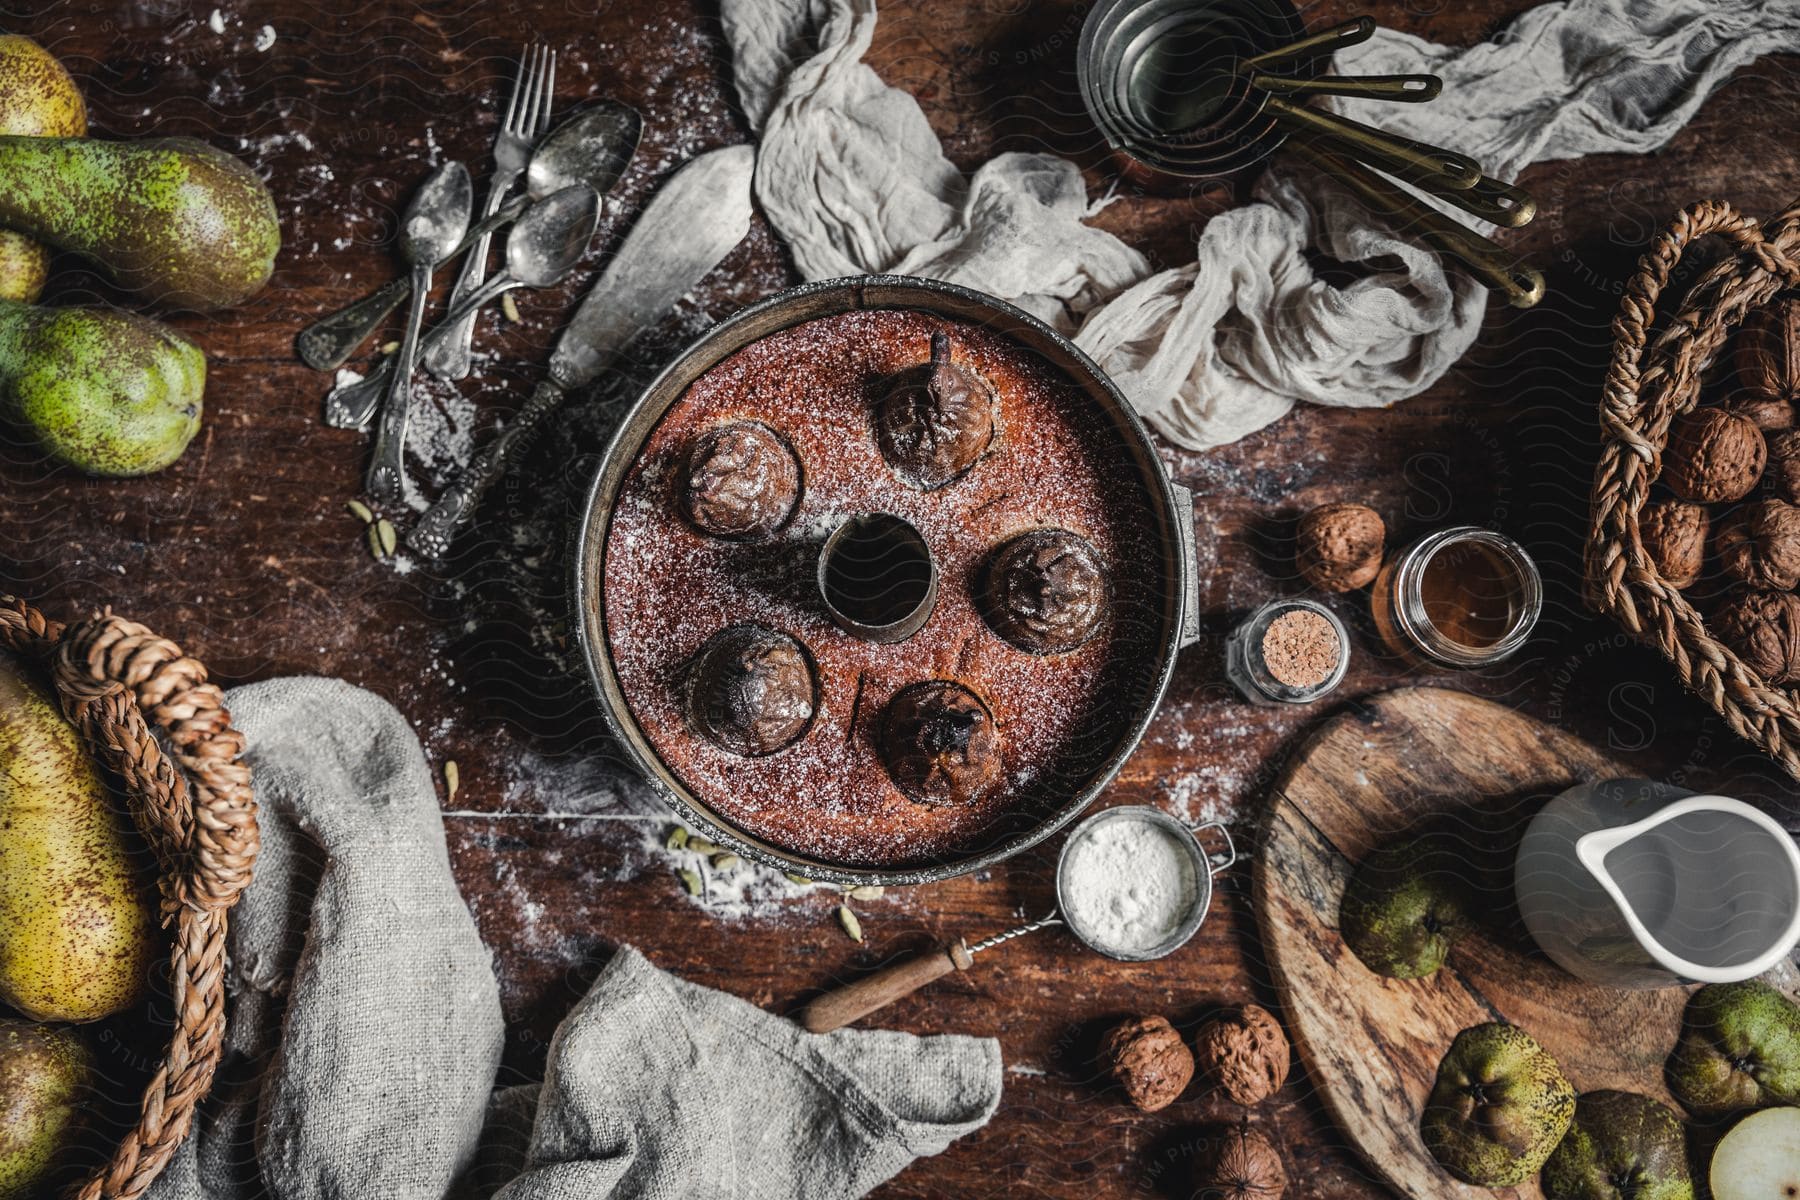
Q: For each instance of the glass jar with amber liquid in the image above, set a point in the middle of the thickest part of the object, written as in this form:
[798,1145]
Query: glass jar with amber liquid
[1460,597]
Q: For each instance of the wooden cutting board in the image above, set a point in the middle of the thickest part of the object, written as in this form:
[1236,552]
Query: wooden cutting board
[1400,761]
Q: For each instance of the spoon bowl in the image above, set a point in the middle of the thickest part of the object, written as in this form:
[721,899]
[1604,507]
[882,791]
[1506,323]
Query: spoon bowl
[591,147]
[437,218]
[551,238]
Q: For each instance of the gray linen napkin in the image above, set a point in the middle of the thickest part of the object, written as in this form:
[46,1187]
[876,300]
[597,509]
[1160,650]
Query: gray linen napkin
[663,1089]
[365,1028]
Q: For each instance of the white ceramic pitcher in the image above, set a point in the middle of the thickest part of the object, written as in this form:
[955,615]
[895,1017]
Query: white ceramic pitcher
[1632,883]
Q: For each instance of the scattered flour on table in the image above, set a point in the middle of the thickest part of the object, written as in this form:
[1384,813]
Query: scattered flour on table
[638,824]
[1128,884]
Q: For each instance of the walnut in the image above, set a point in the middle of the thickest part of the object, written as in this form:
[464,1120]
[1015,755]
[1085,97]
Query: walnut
[1784,465]
[1149,1060]
[1763,629]
[1767,352]
[1244,1165]
[1244,1054]
[1771,414]
[1674,536]
[1713,455]
[1338,546]
[1760,546]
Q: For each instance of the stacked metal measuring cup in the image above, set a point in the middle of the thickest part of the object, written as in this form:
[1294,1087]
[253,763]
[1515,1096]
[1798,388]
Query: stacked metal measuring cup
[1187,91]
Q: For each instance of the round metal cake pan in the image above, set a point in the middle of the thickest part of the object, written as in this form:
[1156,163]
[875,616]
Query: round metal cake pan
[1176,610]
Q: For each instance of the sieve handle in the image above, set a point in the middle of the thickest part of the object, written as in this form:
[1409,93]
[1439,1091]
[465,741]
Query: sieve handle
[839,1008]
[1213,865]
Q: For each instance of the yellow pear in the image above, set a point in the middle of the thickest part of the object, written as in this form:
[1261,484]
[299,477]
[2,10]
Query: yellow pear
[37,99]
[77,924]
[45,1072]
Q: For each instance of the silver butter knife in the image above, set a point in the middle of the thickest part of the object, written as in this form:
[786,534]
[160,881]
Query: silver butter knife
[691,224]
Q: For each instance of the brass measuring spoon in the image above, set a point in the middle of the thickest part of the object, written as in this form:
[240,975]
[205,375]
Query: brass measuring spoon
[1316,45]
[1522,285]
[1408,89]
[1410,160]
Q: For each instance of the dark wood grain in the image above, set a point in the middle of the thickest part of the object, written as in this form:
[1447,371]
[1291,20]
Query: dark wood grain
[243,552]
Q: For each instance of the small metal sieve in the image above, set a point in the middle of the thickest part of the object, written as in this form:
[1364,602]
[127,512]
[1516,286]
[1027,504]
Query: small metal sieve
[839,1008]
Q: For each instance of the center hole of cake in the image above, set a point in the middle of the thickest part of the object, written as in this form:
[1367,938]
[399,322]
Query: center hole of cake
[877,570]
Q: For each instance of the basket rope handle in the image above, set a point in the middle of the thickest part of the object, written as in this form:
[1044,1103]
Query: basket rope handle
[114,679]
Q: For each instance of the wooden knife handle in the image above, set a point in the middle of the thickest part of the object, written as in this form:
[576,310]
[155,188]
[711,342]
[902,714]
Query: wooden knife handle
[834,1010]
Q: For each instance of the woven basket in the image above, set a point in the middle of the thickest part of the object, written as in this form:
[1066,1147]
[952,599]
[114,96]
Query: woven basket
[116,680]
[1647,387]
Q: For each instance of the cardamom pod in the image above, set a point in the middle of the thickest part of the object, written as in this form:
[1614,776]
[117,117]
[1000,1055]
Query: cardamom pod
[868,891]
[390,537]
[700,845]
[726,861]
[452,779]
[690,878]
[375,542]
[851,925]
[359,510]
[802,880]
[678,838]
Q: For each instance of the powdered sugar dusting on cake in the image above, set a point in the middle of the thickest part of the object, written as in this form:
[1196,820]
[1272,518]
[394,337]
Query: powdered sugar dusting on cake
[1053,463]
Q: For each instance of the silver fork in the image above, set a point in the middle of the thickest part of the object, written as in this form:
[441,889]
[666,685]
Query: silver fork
[527,118]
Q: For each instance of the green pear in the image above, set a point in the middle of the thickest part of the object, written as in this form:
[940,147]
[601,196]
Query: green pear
[77,919]
[1406,906]
[187,225]
[1760,1158]
[109,392]
[1621,1146]
[37,99]
[1739,1048]
[1499,1107]
[44,1073]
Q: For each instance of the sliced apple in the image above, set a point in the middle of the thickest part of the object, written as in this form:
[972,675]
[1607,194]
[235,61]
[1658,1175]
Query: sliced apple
[1760,1158]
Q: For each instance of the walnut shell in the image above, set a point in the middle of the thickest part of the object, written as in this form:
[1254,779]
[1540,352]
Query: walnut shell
[1713,455]
[1674,536]
[1244,1054]
[1760,546]
[1244,1165]
[1149,1060]
[1784,465]
[1763,629]
[1767,352]
[1337,547]
[1771,414]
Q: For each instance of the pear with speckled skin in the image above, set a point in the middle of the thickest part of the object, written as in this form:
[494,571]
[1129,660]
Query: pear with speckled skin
[45,1073]
[77,921]
[37,99]
[184,224]
[109,392]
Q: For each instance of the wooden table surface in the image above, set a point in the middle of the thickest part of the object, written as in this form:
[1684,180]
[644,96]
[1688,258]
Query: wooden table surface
[243,550]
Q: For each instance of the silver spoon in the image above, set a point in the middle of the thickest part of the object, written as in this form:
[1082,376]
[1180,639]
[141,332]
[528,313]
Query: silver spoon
[434,222]
[591,147]
[570,215]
